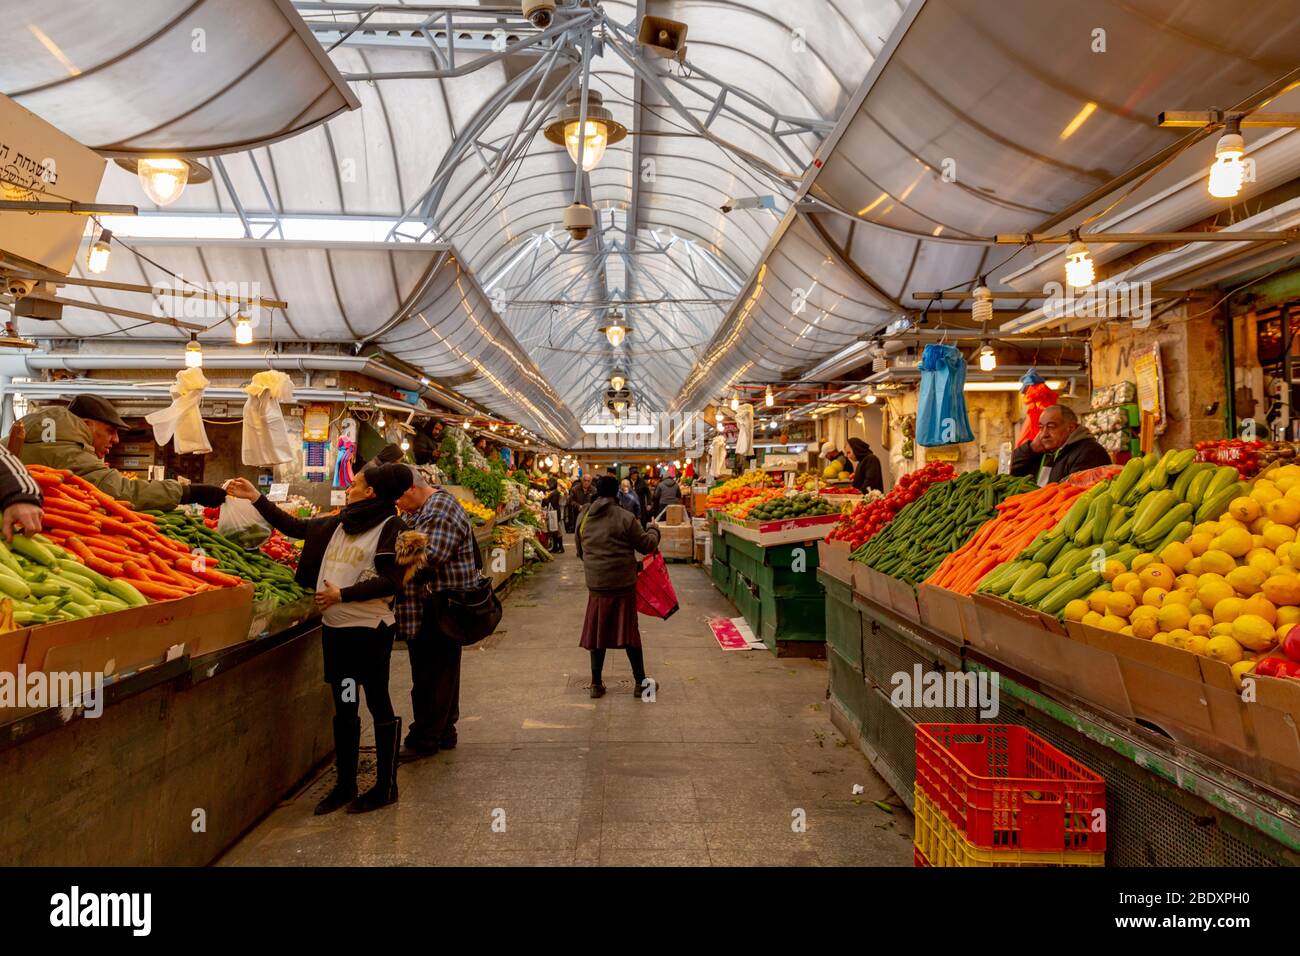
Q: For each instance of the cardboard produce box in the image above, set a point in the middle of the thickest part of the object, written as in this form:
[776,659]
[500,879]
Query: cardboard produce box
[871,584]
[1193,699]
[1275,719]
[674,515]
[945,611]
[833,558]
[677,541]
[1036,645]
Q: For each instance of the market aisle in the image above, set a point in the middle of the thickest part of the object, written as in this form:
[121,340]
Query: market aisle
[712,773]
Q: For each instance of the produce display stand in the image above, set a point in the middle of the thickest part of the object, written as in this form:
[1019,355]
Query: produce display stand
[768,569]
[1173,799]
[227,726]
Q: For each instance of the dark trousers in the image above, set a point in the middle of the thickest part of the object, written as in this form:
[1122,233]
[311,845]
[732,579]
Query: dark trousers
[435,689]
[356,661]
[634,657]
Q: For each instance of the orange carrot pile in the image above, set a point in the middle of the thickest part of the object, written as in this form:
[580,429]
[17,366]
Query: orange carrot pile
[108,537]
[1020,519]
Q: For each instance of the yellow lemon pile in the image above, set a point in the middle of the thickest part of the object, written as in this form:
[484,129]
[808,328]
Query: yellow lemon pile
[1231,591]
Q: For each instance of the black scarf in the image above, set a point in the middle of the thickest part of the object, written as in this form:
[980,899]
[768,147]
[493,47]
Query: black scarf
[360,516]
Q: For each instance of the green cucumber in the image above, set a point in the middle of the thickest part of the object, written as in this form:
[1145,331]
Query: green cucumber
[123,591]
[1167,523]
[1073,589]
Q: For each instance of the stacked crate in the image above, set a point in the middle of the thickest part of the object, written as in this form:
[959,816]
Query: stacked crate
[1000,795]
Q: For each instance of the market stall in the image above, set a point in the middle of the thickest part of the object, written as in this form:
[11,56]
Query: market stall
[1139,618]
[764,559]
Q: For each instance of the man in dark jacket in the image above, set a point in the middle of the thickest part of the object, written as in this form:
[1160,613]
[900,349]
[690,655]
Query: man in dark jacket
[580,496]
[641,488]
[1061,447]
[667,492]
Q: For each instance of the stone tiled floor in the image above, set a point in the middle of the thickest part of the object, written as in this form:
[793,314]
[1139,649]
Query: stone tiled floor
[713,772]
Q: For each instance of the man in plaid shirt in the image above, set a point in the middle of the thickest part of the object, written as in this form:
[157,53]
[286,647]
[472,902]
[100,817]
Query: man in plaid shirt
[451,564]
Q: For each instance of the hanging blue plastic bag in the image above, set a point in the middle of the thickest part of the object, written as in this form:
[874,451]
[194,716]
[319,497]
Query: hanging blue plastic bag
[941,413]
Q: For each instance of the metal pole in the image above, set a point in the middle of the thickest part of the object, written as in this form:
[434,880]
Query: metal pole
[584,85]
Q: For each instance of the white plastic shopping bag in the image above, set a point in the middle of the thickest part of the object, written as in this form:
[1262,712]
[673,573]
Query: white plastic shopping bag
[240,522]
[266,438]
[182,419]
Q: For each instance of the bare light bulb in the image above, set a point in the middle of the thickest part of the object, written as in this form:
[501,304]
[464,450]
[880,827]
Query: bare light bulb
[595,140]
[1079,268]
[163,179]
[193,354]
[735,403]
[871,398]
[383,424]
[719,417]
[243,331]
[98,254]
[988,358]
[406,445]
[768,399]
[981,307]
[1228,172]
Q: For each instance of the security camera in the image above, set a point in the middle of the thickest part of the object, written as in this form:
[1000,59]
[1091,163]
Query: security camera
[19,288]
[579,221]
[540,13]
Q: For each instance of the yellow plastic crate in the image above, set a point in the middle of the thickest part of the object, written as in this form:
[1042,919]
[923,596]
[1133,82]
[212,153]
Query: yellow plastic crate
[941,844]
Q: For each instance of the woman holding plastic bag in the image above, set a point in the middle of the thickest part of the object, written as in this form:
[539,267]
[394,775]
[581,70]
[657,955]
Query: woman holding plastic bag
[608,538]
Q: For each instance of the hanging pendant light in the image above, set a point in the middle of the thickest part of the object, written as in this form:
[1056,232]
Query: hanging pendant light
[194,352]
[616,332]
[871,398]
[99,252]
[1079,268]
[1228,172]
[988,358]
[406,445]
[735,402]
[617,380]
[164,178]
[599,132]
[768,399]
[719,418]
[243,330]
[383,424]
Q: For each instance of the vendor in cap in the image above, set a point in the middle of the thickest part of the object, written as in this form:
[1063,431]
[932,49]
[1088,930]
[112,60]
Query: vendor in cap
[78,437]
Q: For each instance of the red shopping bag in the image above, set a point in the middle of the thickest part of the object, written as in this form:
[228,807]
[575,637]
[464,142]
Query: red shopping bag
[655,596]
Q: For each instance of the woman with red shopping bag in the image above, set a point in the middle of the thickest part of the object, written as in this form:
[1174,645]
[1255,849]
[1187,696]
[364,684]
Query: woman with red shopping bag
[608,538]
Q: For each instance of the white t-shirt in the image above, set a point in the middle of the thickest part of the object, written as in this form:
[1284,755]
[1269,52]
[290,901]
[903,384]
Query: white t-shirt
[350,559]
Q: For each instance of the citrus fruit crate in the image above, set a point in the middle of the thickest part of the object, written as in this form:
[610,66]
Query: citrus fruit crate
[938,843]
[1005,788]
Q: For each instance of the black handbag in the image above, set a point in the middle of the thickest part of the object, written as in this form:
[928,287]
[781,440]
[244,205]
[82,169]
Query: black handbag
[466,615]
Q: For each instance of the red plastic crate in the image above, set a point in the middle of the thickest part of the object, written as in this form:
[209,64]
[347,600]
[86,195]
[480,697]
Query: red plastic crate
[1004,787]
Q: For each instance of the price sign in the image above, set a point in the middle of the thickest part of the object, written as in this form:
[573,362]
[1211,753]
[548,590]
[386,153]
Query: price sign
[338,498]
[279,491]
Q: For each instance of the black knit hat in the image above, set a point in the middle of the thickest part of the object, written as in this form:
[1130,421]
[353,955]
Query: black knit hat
[606,486]
[389,481]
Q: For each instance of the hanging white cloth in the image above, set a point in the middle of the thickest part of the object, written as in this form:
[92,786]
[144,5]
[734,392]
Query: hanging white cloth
[745,430]
[837,431]
[182,420]
[718,457]
[266,438]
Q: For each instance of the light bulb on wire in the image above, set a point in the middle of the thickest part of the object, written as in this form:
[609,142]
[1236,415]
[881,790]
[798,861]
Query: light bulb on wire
[243,330]
[98,254]
[988,358]
[735,403]
[768,398]
[406,445]
[981,306]
[871,398]
[381,422]
[1228,171]
[194,352]
[1079,268]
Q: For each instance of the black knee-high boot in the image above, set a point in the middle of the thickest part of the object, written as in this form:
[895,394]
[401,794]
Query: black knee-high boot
[347,740]
[388,738]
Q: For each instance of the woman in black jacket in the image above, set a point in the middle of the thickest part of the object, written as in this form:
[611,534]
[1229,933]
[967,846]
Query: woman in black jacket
[349,560]
[866,470]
